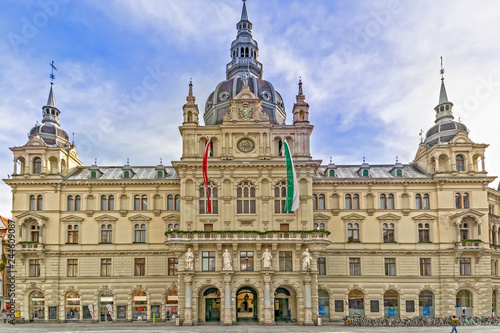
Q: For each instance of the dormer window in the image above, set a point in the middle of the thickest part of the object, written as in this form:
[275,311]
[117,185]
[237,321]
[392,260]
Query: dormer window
[365,173]
[93,175]
[160,174]
[399,173]
[332,173]
[126,174]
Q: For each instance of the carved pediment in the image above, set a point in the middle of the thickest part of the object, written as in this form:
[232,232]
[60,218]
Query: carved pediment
[469,212]
[105,218]
[36,216]
[460,137]
[353,216]
[72,218]
[35,141]
[246,106]
[424,216]
[171,217]
[139,217]
[389,216]
[320,216]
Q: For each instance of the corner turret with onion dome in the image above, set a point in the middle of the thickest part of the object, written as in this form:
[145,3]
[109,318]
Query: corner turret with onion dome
[244,68]
[447,149]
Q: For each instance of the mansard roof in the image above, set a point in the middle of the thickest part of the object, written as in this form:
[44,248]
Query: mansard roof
[376,171]
[116,173]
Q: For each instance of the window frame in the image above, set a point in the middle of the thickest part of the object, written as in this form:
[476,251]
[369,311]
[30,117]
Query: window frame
[465,266]
[390,267]
[425,266]
[354,266]
[173,266]
[352,230]
[285,261]
[106,266]
[389,232]
[424,232]
[72,234]
[139,266]
[246,261]
[72,267]
[34,267]
[213,192]
[106,233]
[140,233]
[321,263]
[208,261]
[246,198]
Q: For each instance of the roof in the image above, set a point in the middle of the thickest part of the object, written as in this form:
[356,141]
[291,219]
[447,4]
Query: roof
[115,173]
[375,171]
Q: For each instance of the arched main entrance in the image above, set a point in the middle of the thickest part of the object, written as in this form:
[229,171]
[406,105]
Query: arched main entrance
[284,305]
[464,304]
[391,304]
[356,304]
[37,305]
[211,305]
[426,304]
[246,304]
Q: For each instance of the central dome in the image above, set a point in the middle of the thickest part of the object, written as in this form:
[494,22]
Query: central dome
[219,100]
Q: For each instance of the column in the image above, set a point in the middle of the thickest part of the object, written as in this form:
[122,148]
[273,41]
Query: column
[458,232]
[268,310]
[227,319]
[187,302]
[307,302]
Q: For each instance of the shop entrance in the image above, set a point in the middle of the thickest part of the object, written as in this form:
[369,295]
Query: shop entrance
[246,304]
[212,304]
[105,306]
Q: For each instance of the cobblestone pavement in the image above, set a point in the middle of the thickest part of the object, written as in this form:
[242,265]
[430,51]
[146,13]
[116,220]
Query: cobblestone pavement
[162,327]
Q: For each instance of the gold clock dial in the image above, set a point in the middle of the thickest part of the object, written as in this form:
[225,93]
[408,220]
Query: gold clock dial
[246,145]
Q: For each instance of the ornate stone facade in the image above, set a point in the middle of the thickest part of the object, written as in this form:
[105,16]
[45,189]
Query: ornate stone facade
[419,239]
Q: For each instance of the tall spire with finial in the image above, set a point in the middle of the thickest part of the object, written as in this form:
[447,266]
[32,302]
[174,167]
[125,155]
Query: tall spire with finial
[50,111]
[300,108]
[244,50]
[444,108]
[190,109]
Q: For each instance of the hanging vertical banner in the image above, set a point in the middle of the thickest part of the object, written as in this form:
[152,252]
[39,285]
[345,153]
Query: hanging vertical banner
[91,310]
[110,310]
[292,186]
[205,175]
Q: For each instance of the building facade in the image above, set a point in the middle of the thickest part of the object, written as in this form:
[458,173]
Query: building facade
[128,242]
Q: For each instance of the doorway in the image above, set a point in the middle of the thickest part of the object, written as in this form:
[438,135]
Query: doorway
[212,304]
[282,311]
[246,304]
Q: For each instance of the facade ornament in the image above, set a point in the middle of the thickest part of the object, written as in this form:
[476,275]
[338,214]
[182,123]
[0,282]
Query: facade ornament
[189,257]
[227,261]
[267,257]
[306,261]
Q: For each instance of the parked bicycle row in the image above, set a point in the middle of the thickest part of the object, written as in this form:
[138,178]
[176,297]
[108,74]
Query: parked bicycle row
[419,321]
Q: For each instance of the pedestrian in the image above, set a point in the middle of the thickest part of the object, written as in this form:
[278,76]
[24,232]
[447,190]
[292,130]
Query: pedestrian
[454,324]
[4,316]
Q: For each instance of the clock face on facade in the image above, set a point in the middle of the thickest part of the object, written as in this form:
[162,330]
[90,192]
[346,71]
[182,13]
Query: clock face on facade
[246,145]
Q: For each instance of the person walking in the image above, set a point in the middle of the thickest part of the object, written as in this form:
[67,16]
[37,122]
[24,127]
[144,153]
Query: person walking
[454,324]
[4,316]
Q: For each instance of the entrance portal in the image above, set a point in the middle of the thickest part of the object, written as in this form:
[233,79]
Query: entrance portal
[282,310]
[212,304]
[246,304]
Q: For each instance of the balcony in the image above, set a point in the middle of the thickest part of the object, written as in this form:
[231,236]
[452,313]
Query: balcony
[30,247]
[473,245]
[313,236]
[493,218]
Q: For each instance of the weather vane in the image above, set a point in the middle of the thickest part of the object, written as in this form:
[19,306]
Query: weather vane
[442,69]
[52,76]
[421,137]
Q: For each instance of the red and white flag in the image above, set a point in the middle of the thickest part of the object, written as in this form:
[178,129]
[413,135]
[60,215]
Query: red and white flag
[205,176]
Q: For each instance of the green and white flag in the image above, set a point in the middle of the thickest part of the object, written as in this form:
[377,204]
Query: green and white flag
[292,187]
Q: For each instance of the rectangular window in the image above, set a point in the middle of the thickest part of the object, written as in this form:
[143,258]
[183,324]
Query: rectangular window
[246,260]
[106,267]
[494,265]
[208,227]
[339,305]
[355,266]
[424,235]
[321,266]
[72,267]
[374,306]
[285,260]
[390,266]
[410,306]
[425,266]
[208,260]
[34,267]
[140,267]
[465,267]
[173,266]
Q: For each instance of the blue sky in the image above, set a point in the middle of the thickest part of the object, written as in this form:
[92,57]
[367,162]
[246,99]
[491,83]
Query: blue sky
[370,71]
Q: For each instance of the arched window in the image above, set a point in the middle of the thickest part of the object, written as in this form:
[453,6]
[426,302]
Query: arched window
[126,174]
[315,201]
[460,163]
[70,203]
[137,202]
[144,202]
[245,203]
[390,201]
[464,231]
[177,202]
[424,232]
[461,200]
[465,199]
[388,232]
[37,165]
[32,202]
[140,233]
[172,226]
[458,200]
[78,201]
[321,201]
[348,201]
[399,173]
[73,234]
[111,202]
[418,201]
[170,202]
[353,232]
[39,203]
[140,203]
[106,233]
[159,174]
[426,204]
[104,202]
[213,195]
[280,148]
[280,197]
[383,201]
[93,175]
[355,201]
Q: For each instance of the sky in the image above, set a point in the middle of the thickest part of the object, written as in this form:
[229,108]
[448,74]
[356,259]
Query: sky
[370,72]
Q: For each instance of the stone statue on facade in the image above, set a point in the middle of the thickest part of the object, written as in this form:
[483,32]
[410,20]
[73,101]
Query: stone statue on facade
[189,257]
[306,261]
[227,261]
[267,257]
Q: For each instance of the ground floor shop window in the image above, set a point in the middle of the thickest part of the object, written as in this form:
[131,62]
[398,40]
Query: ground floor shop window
[73,308]
[323,304]
[172,300]
[139,305]
[391,304]
[37,305]
[356,304]
[426,304]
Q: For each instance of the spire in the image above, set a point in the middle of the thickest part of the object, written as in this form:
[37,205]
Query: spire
[300,108]
[244,50]
[51,101]
[444,108]
[244,15]
[190,109]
